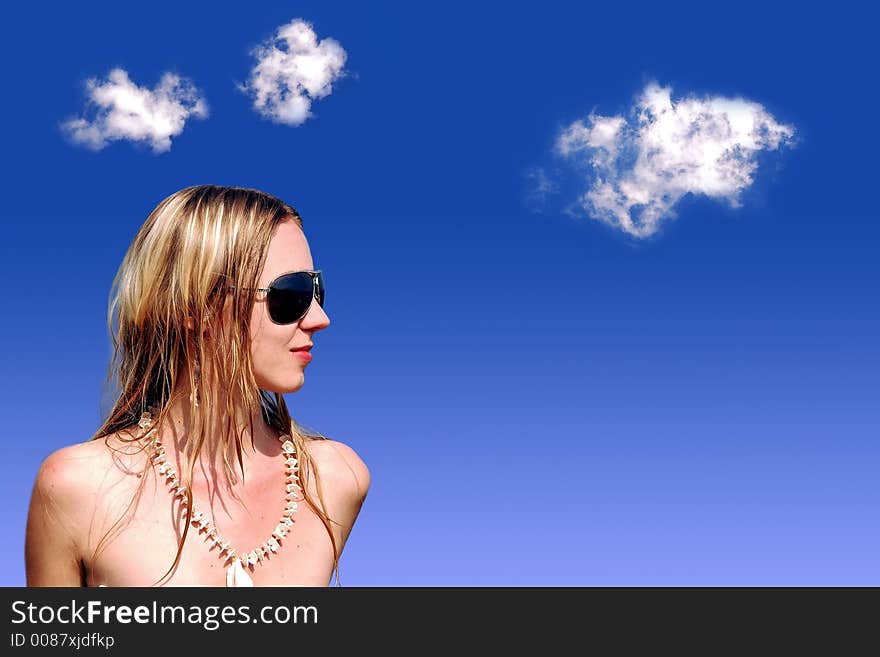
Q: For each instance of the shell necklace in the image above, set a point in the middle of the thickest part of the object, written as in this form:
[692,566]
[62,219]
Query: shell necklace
[236,575]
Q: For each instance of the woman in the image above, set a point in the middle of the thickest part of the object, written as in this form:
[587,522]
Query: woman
[199,476]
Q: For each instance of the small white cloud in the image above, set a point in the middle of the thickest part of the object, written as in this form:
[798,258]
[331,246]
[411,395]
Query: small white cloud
[127,111]
[642,167]
[539,187]
[292,70]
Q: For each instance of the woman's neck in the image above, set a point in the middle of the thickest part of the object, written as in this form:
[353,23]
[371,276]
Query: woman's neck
[179,432]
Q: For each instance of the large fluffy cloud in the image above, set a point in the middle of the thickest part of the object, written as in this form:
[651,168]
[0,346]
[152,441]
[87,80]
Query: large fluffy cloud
[642,165]
[124,110]
[292,70]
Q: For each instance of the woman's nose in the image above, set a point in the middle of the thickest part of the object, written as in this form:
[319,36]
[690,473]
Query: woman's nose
[316,318]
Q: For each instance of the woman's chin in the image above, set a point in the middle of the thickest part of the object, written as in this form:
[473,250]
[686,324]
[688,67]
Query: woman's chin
[287,385]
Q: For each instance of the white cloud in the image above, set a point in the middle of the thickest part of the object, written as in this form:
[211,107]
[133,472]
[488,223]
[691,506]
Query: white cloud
[539,187]
[292,70]
[127,111]
[641,167]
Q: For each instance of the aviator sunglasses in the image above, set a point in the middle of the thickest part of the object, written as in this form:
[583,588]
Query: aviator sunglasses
[289,296]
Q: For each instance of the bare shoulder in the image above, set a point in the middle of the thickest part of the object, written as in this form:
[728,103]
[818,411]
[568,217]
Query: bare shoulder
[73,476]
[67,474]
[341,463]
[66,493]
[83,466]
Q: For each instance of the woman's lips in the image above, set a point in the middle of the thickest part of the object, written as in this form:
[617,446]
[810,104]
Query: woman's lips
[302,354]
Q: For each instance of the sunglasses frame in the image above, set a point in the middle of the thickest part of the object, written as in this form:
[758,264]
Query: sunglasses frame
[314,274]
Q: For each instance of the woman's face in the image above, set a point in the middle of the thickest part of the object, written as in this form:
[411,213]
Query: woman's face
[276,366]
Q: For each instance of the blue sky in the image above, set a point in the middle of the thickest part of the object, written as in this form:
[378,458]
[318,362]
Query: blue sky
[545,394]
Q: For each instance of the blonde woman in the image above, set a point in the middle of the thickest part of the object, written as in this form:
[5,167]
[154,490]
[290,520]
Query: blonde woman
[199,476]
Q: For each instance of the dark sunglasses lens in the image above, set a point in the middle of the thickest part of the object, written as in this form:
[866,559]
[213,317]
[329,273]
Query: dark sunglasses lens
[319,295]
[290,297]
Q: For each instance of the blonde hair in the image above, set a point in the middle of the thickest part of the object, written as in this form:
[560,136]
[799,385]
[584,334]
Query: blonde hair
[175,276]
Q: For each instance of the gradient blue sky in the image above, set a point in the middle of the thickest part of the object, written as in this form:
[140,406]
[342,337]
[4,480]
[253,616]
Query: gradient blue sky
[542,399]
